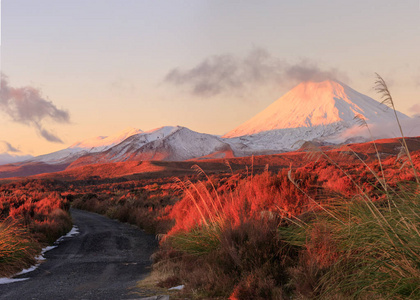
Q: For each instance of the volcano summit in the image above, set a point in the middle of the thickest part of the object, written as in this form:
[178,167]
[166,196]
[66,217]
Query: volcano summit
[314,104]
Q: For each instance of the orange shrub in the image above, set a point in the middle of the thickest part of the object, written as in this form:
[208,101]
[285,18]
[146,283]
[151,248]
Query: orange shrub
[36,205]
[245,199]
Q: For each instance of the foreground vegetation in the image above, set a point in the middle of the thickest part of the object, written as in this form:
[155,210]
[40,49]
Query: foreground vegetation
[31,216]
[344,224]
[317,231]
[255,245]
[334,227]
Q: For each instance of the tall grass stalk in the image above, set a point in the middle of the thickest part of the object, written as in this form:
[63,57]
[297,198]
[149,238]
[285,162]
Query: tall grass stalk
[204,238]
[382,88]
[363,123]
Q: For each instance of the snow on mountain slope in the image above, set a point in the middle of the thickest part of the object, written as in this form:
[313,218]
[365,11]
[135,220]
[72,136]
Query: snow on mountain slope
[316,105]
[126,149]
[84,147]
[181,144]
[283,140]
[165,143]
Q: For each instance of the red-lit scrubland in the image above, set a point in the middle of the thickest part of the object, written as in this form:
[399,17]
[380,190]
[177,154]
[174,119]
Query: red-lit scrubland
[334,228]
[306,226]
[31,215]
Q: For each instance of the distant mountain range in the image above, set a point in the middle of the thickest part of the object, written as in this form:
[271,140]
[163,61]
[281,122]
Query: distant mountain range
[93,145]
[312,111]
[9,158]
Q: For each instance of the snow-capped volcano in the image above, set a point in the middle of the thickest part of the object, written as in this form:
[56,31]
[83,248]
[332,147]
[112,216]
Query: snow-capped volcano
[316,105]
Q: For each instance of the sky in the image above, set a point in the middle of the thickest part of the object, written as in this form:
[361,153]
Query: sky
[75,69]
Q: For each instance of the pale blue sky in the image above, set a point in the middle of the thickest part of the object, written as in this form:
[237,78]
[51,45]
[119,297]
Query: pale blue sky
[105,61]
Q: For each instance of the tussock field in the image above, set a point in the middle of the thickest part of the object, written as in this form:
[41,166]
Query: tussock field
[32,215]
[321,231]
[297,232]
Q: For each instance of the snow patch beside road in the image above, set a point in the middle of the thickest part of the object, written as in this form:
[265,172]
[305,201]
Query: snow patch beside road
[4,280]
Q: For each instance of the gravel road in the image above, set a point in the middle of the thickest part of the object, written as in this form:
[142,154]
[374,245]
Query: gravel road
[104,261]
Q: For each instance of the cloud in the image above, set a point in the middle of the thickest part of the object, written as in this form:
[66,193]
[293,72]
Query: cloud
[310,71]
[224,74]
[26,105]
[211,77]
[7,147]
[415,110]
[48,135]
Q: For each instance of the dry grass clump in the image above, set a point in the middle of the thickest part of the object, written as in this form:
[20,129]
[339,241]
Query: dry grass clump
[225,241]
[240,243]
[239,199]
[378,249]
[31,215]
[247,259]
[17,248]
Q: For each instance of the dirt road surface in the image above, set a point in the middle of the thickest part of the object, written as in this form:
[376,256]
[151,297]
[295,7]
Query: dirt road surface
[104,261]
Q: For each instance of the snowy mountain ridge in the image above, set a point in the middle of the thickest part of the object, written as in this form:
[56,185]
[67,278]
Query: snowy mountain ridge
[165,143]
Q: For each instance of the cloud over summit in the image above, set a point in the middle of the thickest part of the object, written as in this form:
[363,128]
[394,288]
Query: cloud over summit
[226,74]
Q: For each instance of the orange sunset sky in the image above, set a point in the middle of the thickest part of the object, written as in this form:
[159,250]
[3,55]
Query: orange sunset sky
[76,69]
